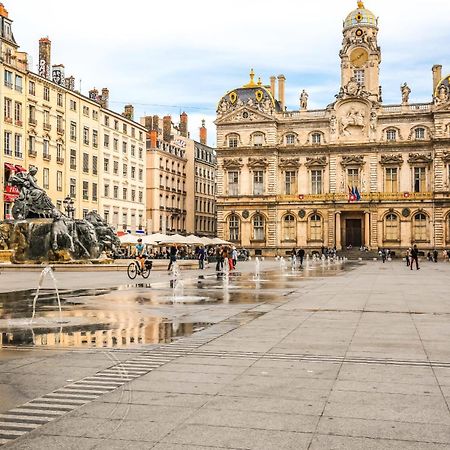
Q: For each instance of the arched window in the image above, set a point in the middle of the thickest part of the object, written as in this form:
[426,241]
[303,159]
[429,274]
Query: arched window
[392,230]
[391,135]
[420,227]
[316,138]
[233,228]
[420,133]
[258,139]
[315,228]
[290,139]
[289,233]
[233,140]
[258,228]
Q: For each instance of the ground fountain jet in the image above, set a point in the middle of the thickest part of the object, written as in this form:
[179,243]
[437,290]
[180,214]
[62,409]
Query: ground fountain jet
[48,271]
[257,275]
[177,284]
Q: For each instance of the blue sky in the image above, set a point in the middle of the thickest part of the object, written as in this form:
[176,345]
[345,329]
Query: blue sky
[166,57]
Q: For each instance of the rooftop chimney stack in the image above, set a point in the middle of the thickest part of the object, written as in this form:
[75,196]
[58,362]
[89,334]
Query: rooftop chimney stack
[167,128]
[70,83]
[128,112]
[184,124]
[58,75]
[45,51]
[273,86]
[203,134]
[281,83]
[93,95]
[104,98]
[155,124]
[437,76]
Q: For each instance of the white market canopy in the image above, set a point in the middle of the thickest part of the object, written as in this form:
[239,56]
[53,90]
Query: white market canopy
[154,239]
[129,239]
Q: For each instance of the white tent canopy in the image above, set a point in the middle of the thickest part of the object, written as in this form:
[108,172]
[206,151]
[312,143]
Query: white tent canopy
[129,239]
[154,239]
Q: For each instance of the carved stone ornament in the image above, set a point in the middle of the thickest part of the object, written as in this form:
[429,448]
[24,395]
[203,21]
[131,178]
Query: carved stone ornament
[257,162]
[302,214]
[319,161]
[446,156]
[232,163]
[420,158]
[352,160]
[406,212]
[396,160]
[354,118]
[352,89]
[245,214]
[287,163]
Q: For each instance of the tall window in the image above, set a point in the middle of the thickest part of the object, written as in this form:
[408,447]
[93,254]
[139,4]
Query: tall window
[73,187]
[391,135]
[315,228]
[7,143]
[233,183]
[359,76]
[420,133]
[31,145]
[59,182]
[73,131]
[46,149]
[420,178]
[290,182]
[106,165]
[316,138]
[290,139]
[45,178]
[94,165]
[289,228]
[258,139]
[392,228]
[86,135]
[73,159]
[316,181]
[420,227]
[353,177]
[94,191]
[233,228]
[18,151]
[258,182]
[391,179]
[85,190]
[8,110]
[258,228]
[18,113]
[233,140]
[85,162]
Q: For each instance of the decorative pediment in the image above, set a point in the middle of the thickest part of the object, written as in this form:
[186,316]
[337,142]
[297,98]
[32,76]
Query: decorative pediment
[352,160]
[387,160]
[420,158]
[289,163]
[257,162]
[446,156]
[232,163]
[319,161]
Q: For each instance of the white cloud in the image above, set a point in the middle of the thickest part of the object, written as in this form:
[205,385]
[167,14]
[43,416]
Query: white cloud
[187,54]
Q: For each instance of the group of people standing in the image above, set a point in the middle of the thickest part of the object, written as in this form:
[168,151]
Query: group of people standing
[226,255]
[412,255]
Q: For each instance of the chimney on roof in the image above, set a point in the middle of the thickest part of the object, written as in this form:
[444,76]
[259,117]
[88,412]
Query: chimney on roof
[58,75]
[273,88]
[128,112]
[45,51]
[437,76]
[184,124]
[93,95]
[203,134]
[281,83]
[155,126]
[167,128]
[104,98]
[153,138]
[147,121]
[70,83]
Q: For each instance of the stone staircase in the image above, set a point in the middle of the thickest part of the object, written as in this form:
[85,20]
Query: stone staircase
[354,254]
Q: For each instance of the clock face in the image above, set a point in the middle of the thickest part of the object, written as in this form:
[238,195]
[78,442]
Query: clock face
[359,57]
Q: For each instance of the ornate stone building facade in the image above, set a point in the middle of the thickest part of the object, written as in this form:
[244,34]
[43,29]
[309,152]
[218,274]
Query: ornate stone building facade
[358,172]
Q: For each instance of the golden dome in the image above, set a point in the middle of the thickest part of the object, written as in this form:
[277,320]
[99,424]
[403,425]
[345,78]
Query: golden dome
[360,17]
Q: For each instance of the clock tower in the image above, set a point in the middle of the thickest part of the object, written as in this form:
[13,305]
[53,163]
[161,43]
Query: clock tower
[360,54]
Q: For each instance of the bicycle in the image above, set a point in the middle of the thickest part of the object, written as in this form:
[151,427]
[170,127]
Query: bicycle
[134,269]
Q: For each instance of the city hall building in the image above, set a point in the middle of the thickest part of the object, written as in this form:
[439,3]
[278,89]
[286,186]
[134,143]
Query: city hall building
[358,173]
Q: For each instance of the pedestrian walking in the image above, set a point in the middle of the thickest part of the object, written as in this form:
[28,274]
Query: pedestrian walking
[234,257]
[201,258]
[219,259]
[435,255]
[383,255]
[172,256]
[301,255]
[415,257]
[408,257]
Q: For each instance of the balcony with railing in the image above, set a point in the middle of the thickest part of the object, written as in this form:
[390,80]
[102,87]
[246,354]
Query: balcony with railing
[46,157]
[47,127]
[32,121]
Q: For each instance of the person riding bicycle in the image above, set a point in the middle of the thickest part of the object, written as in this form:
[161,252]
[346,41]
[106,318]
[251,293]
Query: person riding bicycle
[140,247]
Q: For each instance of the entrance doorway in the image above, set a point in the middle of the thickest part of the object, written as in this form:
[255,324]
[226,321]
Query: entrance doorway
[353,232]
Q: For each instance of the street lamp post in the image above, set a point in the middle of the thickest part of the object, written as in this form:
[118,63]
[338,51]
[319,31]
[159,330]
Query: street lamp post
[68,206]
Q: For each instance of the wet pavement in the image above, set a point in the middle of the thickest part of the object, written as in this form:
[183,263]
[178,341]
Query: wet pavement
[334,357]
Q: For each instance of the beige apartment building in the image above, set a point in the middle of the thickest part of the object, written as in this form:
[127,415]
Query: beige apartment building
[358,172]
[180,178]
[47,124]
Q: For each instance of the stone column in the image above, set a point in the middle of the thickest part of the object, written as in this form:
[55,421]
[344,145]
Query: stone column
[367,229]
[338,231]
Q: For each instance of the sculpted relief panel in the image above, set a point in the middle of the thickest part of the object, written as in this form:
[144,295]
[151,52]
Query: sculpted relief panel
[353,121]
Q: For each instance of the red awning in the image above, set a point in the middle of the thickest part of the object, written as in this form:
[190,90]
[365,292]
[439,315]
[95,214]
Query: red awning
[9,198]
[19,168]
[10,167]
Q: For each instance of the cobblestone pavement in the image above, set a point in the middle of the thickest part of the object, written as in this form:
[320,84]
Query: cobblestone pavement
[360,360]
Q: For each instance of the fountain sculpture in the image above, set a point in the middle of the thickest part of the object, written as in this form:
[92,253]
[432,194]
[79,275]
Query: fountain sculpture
[40,232]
